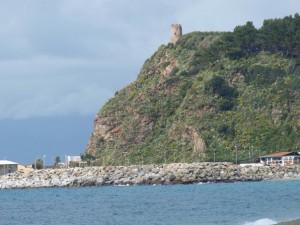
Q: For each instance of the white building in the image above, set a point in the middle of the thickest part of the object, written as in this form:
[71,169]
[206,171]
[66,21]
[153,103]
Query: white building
[281,158]
[69,159]
[8,167]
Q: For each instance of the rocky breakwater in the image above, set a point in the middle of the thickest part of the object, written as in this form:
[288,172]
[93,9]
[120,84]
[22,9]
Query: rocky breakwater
[294,222]
[179,173]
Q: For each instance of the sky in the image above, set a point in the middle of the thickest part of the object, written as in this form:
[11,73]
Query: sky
[61,60]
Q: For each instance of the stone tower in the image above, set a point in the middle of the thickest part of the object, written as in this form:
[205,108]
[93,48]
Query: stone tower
[176,32]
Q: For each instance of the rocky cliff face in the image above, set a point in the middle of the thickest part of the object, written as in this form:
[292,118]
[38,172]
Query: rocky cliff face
[212,96]
[144,111]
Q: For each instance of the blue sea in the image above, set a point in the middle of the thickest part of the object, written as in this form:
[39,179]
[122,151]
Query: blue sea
[259,203]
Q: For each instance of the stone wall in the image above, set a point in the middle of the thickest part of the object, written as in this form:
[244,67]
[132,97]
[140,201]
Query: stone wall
[179,173]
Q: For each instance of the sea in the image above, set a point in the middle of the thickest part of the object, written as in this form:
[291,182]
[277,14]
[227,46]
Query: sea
[253,203]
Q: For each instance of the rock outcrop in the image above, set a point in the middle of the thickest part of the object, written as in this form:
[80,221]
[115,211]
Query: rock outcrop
[176,33]
[180,173]
[198,99]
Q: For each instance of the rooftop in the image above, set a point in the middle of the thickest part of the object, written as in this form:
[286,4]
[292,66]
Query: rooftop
[6,162]
[281,154]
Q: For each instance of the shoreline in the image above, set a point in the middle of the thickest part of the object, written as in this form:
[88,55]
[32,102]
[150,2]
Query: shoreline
[166,174]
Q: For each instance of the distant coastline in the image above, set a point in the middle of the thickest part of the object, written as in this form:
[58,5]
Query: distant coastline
[293,222]
[177,173]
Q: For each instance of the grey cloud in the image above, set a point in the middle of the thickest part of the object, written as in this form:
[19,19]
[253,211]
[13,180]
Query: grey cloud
[219,15]
[65,57]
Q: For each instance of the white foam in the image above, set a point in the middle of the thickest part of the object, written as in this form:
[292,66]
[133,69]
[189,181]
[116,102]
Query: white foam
[264,221]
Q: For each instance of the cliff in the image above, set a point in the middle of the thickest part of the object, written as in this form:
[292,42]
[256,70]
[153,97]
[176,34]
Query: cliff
[211,96]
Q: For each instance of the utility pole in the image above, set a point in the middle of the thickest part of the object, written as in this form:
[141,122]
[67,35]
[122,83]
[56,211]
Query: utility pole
[249,156]
[126,160]
[214,155]
[174,157]
[236,154]
[102,161]
[142,159]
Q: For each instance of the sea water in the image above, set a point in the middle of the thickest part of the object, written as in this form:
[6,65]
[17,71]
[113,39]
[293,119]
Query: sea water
[259,203]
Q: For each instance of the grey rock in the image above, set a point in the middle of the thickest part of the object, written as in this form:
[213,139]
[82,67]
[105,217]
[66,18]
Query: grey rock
[147,174]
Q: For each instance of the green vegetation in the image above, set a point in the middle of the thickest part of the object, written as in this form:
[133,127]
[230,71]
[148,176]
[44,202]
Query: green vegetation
[57,160]
[212,96]
[275,36]
[38,164]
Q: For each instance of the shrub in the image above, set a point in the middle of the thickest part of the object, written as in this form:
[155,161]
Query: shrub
[218,86]
[38,164]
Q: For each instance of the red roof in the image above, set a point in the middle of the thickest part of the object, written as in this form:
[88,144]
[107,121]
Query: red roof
[278,154]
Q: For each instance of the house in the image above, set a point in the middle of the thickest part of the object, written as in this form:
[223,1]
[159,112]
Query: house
[60,165]
[72,161]
[281,158]
[24,168]
[8,167]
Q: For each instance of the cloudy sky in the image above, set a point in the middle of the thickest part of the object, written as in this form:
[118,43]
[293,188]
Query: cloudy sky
[60,60]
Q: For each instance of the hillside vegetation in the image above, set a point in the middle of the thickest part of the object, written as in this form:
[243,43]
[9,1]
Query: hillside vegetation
[211,97]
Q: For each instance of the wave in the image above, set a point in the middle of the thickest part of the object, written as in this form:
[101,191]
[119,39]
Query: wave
[264,221]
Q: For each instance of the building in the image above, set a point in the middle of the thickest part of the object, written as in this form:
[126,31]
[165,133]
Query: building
[281,158]
[24,168]
[8,167]
[176,33]
[72,160]
[60,165]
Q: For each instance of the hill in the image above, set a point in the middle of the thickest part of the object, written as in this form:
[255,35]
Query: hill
[211,96]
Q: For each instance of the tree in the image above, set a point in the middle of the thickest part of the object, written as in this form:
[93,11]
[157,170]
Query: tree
[281,35]
[38,164]
[242,42]
[57,160]
[87,157]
